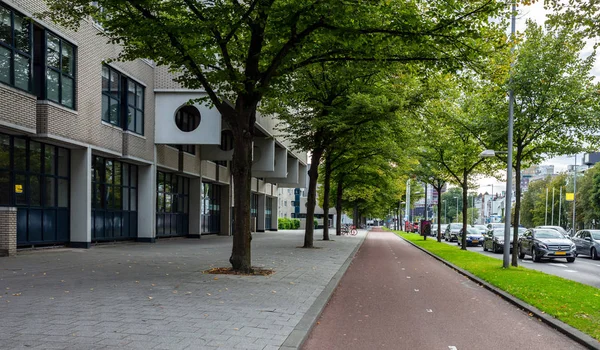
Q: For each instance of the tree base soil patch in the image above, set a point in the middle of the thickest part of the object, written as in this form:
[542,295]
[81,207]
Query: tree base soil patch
[256,271]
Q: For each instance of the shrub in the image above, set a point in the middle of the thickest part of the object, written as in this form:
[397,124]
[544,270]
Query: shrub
[284,223]
[295,223]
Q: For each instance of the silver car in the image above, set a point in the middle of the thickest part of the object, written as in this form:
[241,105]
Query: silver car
[587,242]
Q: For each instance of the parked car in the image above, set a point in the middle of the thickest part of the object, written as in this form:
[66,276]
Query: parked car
[587,242]
[482,229]
[474,237]
[494,225]
[452,230]
[494,240]
[543,243]
[557,228]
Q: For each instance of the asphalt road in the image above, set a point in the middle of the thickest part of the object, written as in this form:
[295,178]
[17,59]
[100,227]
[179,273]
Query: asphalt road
[393,296]
[583,270]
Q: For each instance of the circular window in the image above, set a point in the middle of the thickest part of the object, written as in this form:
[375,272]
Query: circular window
[187,118]
[226,140]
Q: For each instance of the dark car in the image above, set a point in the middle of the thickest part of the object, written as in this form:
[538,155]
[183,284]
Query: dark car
[587,242]
[494,240]
[474,237]
[452,230]
[542,243]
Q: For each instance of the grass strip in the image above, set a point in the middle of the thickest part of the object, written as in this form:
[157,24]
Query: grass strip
[574,303]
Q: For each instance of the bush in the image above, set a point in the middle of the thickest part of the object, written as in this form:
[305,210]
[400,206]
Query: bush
[316,223]
[284,223]
[295,224]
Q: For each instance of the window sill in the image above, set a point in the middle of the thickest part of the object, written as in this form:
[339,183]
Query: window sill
[112,126]
[56,105]
[134,134]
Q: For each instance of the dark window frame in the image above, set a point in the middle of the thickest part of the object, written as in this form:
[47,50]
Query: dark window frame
[123,103]
[59,71]
[12,47]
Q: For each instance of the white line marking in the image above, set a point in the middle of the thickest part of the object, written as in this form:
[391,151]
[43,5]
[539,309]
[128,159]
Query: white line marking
[559,265]
[407,276]
[452,348]
[527,261]
[416,290]
[597,264]
[429,310]
[570,271]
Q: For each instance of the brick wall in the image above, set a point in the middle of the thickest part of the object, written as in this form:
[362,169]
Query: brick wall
[8,231]
[167,157]
[17,107]
[191,163]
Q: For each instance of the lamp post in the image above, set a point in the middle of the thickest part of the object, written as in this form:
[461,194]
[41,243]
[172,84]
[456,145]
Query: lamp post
[552,220]
[456,208]
[546,212]
[574,191]
[445,213]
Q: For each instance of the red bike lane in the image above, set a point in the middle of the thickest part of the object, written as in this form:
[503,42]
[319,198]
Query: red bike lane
[394,296]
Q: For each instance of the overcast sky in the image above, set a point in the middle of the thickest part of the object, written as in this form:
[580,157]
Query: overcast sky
[538,13]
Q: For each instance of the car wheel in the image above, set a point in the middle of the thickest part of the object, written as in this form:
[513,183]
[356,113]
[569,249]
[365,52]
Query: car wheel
[594,254]
[521,254]
[570,260]
[534,255]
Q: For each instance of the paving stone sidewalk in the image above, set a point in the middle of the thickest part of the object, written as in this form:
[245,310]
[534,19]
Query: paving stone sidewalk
[155,296]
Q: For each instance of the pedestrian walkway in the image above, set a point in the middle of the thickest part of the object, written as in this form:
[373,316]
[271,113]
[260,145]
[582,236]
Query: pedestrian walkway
[155,296]
[393,296]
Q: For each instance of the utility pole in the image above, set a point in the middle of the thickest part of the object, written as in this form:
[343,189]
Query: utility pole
[574,192]
[559,205]
[546,212]
[552,223]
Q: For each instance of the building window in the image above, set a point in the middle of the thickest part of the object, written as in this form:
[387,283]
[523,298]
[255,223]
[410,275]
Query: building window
[122,96]
[15,49]
[60,71]
[172,205]
[210,208]
[114,199]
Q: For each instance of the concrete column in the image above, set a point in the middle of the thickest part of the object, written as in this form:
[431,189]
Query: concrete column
[274,213]
[226,204]
[146,203]
[81,198]
[8,231]
[262,207]
[195,213]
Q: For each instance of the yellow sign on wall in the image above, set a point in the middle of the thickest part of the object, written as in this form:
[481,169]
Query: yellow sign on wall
[570,197]
[18,188]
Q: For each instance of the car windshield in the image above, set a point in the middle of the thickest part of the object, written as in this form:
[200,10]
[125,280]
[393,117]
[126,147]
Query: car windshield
[595,234]
[455,226]
[522,230]
[480,227]
[473,231]
[556,228]
[547,233]
[499,232]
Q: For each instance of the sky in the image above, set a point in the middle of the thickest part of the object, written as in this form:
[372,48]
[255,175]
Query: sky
[538,13]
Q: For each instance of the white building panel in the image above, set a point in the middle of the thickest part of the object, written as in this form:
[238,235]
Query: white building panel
[167,132]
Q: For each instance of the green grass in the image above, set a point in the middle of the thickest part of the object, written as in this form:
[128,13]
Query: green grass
[571,302]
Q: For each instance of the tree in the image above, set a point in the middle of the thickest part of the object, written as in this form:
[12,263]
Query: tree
[238,51]
[556,104]
[434,174]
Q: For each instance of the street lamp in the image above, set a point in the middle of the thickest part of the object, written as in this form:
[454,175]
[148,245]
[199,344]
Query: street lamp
[456,208]
[492,201]
[445,213]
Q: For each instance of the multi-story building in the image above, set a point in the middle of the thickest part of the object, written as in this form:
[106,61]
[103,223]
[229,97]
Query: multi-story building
[93,151]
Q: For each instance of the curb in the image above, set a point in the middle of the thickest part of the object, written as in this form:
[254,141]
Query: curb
[300,333]
[560,326]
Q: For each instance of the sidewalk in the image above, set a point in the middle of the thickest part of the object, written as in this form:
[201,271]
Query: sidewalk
[393,296]
[154,296]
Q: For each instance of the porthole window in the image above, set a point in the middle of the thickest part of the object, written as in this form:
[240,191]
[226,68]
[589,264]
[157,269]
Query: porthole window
[187,118]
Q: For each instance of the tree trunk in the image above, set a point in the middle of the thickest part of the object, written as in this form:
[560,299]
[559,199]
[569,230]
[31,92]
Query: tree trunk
[338,207]
[439,213]
[326,187]
[241,169]
[515,220]
[311,199]
[355,215]
[465,187]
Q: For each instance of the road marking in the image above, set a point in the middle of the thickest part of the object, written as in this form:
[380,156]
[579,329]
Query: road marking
[597,264]
[429,310]
[407,276]
[416,290]
[527,261]
[452,348]
[570,271]
[559,265]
